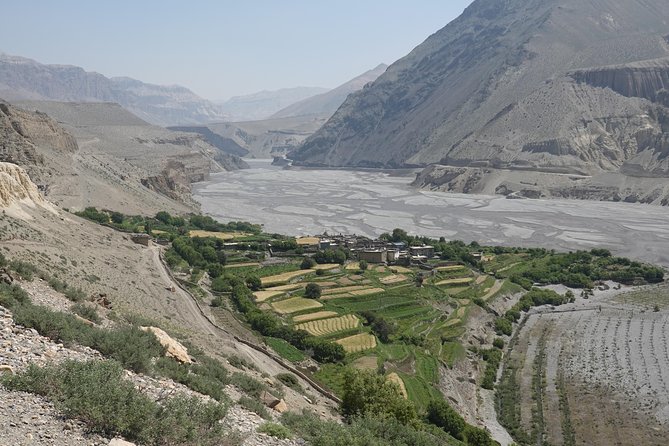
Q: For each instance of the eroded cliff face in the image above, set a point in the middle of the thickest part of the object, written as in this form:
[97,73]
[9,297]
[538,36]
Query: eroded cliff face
[16,186]
[24,136]
[555,86]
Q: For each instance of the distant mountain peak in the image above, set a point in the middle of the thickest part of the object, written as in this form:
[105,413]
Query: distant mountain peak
[25,79]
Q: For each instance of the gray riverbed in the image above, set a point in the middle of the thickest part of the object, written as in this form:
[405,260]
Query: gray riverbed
[302,202]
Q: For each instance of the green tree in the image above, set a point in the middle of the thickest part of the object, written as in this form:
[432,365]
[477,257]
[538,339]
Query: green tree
[363,265]
[307,263]
[313,291]
[441,414]
[368,393]
[254,283]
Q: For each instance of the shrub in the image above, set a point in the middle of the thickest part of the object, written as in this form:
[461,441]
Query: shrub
[290,380]
[313,291]
[254,283]
[441,414]
[96,393]
[254,406]
[307,263]
[25,270]
[498,343]
[275,430]
[363,265]
[247,384]
[503,326]
[87,312]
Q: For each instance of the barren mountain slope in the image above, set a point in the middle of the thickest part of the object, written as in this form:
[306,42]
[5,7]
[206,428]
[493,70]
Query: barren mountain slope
[262,105]
[326,104]
[26,79]
[514,84]
[117,160]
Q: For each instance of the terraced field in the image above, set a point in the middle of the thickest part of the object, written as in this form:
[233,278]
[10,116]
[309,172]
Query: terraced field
[219,235]
[295,304]
[324,327]
[262,296]
[458,281]
[597,373]
[314,316]
[358,343]
[284,277]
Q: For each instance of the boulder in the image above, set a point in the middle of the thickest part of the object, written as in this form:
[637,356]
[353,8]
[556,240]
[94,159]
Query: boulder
[173,348]
[281,407]
[269,400]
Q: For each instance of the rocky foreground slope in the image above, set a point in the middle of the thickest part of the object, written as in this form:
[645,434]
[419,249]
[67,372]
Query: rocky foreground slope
[553,86]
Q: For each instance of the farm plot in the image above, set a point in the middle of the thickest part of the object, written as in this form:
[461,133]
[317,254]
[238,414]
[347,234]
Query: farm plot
[289,287]
[565,365]
[314,316]
[458,281]
[324,327]
[395,278]
[327,266]
[353,266]
[395,378]
[295,304]
[400,270]
[284,277]
[343,290]
[242,265]
[356,293]
[451,268]
[357,343]
[262,296]
[220,235]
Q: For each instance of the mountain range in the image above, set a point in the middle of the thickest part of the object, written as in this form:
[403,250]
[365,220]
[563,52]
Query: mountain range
[263,104]
[568,87]
[26,79]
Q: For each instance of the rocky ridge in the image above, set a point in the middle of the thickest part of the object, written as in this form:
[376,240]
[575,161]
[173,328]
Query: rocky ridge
[553,86]
[26,79]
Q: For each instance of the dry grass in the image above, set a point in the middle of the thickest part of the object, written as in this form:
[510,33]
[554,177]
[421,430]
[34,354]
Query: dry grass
[314,316]
[395,378]
[367,291]
[481,279]
[357,343]
[366,363]
[346,289]
[380,268]
[326,284]
[464,302]
[221,235]
[327,266]
[459,281]
[295,304]
[285,277]
[461,312]
[353,266]
[262,296]
[452,322]
[306,241]
[324,327]
[388,280]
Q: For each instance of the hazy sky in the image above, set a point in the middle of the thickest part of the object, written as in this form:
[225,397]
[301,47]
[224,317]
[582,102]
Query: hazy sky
[223,48]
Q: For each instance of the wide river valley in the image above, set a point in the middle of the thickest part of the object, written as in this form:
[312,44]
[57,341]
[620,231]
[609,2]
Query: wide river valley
[307,202]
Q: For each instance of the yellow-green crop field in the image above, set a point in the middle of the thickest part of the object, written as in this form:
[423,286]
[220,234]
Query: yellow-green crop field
[357,343]
[459,281]
[262,296]
[314,316]
[324,327]
[295,304]
[285,277]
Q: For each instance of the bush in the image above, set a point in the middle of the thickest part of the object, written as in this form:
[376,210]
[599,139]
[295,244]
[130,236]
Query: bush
[254,406]
[275,430]
[247,384]
[254,283]
[87,312]
[96,393]
[441,414]
[307,263]
[363,265]
[498,343]
[503,326]
[290,380]
[313,291]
